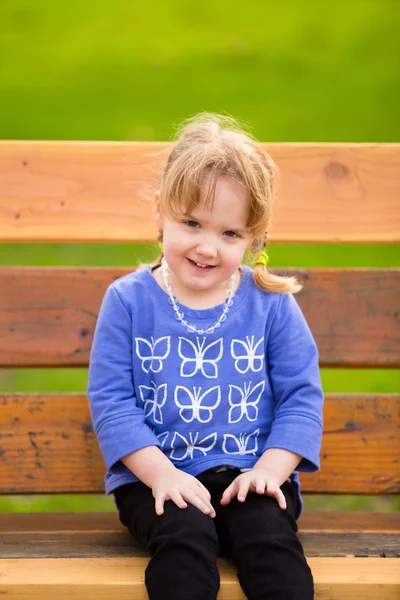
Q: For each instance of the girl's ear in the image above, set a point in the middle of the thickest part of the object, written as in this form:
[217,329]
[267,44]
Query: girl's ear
[157,211]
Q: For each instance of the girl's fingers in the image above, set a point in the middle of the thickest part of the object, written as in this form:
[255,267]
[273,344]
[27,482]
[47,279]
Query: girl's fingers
[228,494]
[278,494]
[260,486]
[244,486]
[196,497]
[196,501]
[241,489]
[203,487]
[176,497]
[204,494]
[160,504]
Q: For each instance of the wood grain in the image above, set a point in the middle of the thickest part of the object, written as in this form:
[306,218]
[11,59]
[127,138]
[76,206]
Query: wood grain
[123,578]
[48,315]
[108,522]
[105,544]
[103,191]
[51,439]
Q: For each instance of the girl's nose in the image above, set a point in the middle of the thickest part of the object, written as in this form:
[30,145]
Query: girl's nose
[206,249]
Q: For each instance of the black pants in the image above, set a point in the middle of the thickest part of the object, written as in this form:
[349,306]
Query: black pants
[259,536]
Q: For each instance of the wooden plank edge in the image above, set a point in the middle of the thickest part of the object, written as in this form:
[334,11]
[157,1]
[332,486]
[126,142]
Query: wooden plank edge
[312,521]
[77,579]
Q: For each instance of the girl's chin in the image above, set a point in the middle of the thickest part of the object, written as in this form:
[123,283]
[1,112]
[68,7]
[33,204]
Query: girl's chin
[200,284]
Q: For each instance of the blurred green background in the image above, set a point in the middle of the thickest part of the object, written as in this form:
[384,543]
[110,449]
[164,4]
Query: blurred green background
[294,71]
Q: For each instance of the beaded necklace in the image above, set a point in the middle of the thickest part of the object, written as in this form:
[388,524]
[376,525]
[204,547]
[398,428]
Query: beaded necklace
[179,315]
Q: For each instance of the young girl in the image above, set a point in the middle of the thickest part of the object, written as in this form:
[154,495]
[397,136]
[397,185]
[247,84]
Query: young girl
[204,386]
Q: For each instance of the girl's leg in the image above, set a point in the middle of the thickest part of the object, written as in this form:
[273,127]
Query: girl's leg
[183,544]
[262,540]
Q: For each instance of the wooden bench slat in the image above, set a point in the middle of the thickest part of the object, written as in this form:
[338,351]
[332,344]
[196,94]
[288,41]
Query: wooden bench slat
[310,522]
[103,191]
[48,315]
[108,522]
[123,578]
[92,544]
[50,438]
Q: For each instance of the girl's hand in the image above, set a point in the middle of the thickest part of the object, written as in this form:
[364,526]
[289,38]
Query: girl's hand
[256,480]
[181,488]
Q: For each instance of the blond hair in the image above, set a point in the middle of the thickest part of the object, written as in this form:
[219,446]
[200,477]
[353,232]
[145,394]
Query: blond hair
[214,145]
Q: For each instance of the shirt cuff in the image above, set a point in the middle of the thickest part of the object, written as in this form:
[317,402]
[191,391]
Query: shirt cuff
[299,434]
[121,436]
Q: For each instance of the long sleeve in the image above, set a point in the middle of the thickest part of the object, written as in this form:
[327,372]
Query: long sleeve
[117,420]
[292,357]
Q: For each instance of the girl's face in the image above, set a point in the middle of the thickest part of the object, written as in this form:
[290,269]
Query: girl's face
[205,248]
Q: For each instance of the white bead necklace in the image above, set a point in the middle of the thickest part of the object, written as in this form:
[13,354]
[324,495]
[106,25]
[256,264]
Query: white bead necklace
[179,315]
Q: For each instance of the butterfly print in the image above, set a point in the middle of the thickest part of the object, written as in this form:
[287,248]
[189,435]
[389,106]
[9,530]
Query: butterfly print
[191,445]
[199,357]
[245,444]
[244,401]
[195,405]
[245,355]
[153,353]
[153,399]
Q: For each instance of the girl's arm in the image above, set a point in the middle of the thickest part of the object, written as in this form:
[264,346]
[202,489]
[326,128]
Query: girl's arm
[293,370]
[167,482]
[119,423]
[278,463]
[295,437]
[147,463]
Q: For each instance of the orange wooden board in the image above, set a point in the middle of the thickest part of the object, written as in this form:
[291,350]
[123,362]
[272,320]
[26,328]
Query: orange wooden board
[103,191]
[108,522]
[48,445]
[123,578]
[48,315]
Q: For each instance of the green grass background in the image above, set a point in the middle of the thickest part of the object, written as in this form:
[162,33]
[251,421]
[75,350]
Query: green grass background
[91,70]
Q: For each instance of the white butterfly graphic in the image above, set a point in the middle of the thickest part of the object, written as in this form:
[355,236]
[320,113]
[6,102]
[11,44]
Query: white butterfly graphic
[248,359]
[153,399]
[153,353]
[244,401]
[161,436]
[195,405]
[246,444]
[183,447]
[194,358]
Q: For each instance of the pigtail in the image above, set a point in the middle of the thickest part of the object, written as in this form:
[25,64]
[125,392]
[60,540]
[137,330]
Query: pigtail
[266,280]
[269,282]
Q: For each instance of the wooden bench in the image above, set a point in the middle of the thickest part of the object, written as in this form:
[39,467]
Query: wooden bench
[98,192]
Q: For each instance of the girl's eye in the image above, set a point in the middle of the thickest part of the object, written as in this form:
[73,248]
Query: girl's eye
[191,223]
[231,234]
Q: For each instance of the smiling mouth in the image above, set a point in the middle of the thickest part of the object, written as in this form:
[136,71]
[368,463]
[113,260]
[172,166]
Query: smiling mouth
[201,265]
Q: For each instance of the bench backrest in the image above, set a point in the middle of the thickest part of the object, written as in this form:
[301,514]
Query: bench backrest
[101,192]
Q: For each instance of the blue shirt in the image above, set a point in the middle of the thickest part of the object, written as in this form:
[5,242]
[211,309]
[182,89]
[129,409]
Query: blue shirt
[204,400]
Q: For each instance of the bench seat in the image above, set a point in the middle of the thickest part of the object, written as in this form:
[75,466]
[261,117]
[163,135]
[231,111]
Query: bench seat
[85,555]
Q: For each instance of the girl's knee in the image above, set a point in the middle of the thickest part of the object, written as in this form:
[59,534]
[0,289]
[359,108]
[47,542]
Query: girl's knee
[186,523]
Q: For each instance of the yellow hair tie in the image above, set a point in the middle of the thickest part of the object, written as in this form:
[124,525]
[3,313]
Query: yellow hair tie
[262,258]
[160,246]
